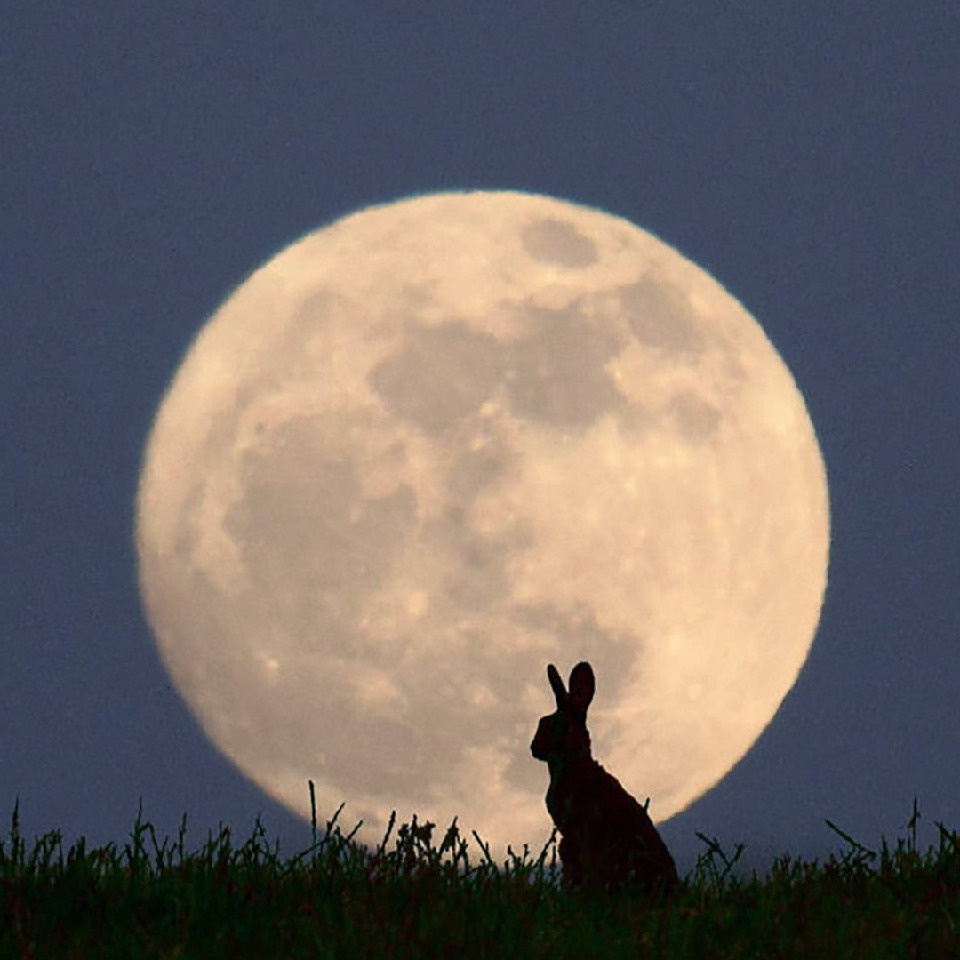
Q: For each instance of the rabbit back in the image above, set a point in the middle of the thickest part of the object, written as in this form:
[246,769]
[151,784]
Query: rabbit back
[608,838]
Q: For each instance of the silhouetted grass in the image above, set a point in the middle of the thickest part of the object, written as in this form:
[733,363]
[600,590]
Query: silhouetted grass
[154,898]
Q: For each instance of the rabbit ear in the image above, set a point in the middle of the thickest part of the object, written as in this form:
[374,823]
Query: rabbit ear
[582,686]
[559,691]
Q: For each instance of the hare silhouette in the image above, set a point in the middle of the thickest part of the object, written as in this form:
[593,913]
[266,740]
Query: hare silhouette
[607,838]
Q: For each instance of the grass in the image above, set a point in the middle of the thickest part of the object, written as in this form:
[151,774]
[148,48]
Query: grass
[153,898]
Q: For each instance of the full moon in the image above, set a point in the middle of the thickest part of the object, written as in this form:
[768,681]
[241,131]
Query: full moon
[428,449]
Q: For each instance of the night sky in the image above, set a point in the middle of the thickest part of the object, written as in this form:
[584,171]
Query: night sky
[806,155]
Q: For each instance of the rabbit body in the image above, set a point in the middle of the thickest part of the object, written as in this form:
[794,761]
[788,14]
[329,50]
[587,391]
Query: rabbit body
[608,838]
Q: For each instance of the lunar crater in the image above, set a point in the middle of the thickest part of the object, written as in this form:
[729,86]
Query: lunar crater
[553,240]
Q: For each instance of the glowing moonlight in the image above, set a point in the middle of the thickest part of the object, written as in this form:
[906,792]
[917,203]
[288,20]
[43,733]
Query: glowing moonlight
[428,449]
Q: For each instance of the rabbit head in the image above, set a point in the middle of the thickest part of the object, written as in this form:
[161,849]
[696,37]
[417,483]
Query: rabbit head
[563,735]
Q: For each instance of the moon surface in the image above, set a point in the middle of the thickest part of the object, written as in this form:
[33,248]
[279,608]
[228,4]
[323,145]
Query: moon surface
[428,449]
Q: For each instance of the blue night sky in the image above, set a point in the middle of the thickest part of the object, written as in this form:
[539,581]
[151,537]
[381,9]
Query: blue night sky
[806,155]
